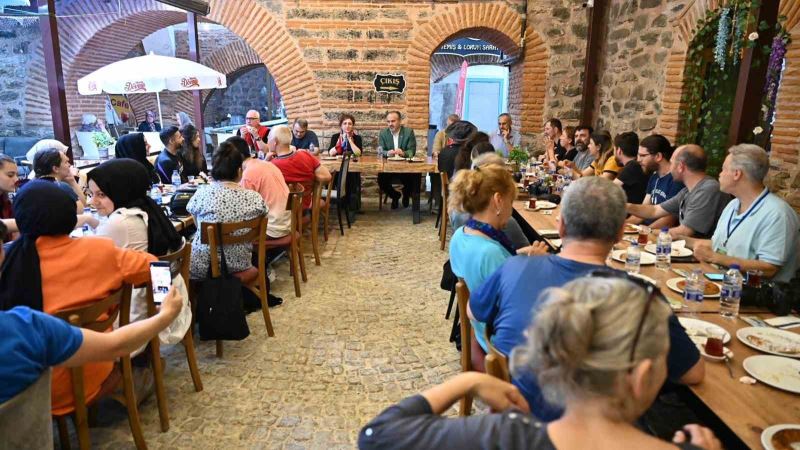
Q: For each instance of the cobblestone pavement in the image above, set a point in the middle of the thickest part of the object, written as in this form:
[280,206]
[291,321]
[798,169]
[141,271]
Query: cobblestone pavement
[368,331]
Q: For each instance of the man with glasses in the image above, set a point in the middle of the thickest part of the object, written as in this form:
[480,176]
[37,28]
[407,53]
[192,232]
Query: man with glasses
[654,156]
[592,220]
[303,138]
[698,205]
[503,139]
[254,133]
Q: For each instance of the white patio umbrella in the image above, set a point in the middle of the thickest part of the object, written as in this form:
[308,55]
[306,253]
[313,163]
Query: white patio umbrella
[151,73]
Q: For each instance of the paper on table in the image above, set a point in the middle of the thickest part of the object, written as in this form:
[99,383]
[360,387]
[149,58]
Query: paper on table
[548,233]
[784,322]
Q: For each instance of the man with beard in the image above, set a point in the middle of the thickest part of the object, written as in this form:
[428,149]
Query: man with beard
[584,158]
[654,154]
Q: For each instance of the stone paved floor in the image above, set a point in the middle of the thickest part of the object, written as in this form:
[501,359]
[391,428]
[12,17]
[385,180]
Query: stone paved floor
[368,331]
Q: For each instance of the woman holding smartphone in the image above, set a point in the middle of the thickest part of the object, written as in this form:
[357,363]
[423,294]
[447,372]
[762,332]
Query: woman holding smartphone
[132,220]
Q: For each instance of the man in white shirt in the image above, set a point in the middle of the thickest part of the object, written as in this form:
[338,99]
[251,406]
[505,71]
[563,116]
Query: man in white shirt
[504,138]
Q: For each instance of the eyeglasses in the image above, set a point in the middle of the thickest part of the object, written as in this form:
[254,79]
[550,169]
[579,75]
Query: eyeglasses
[652,292]
[252,118]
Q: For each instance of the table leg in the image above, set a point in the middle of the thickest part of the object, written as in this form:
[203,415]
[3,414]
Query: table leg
[416,179]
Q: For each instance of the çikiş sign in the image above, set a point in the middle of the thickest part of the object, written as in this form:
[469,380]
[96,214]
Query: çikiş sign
[389,83]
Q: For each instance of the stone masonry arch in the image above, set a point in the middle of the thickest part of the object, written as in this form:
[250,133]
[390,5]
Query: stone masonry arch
[495,23]
[786,133]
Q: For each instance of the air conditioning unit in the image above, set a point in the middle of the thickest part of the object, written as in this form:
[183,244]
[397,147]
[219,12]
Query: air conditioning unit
[196,6]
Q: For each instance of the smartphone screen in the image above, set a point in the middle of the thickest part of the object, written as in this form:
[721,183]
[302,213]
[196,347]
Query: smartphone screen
[161,279]
[715,276]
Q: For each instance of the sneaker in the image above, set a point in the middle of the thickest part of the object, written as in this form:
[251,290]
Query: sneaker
[273,301]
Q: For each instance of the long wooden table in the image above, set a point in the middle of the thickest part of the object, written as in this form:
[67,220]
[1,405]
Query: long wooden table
[746,409]
[373,165]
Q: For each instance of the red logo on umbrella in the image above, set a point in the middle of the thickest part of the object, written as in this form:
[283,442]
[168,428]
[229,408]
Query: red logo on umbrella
[190,82]
[136,86]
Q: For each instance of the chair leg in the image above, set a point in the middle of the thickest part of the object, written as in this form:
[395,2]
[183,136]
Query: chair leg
[325,225]
[262,295]
[465,407]
[438,218]
[63,432]
[339,214]
[380,199]
[315,245]
[347,212]
[158,376]
[130,403]
[191,359]
[443,232]
[450,305]
[302,261]
[294,269]
[219,349]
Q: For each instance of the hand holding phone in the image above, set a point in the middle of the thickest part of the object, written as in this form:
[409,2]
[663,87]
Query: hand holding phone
[161,280]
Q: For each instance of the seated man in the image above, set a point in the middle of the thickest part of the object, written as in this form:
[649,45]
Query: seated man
[504,138]
[458,135]
[399,141]
[757,230]
[296,166]
[440,140]
[654,155]
[254,133]
[303,138]
[169,160]
[592,220]
[53,165]
[698,205]
[631,178]
[583,157]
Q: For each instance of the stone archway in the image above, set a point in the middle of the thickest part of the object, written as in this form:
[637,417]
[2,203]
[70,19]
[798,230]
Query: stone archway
[498,24]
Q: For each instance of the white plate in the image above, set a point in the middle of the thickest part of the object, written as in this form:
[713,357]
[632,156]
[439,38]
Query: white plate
[776,371]
[726,350]
[672,283]
[676,252]
[646,258]
[769,432]
[774,337]
[416,160]
[541,204]
[328,158]
[696,329]
[395,158]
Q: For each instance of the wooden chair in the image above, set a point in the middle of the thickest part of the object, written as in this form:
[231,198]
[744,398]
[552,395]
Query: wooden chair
[317,205]
[340,195]
[496,362]
[179,265]
[442,219]
[293,241]
[462,292]
[253,231]
[327,192]
[100,316]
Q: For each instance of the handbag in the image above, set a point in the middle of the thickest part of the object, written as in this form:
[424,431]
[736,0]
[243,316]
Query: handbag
[181,198]
[220,312]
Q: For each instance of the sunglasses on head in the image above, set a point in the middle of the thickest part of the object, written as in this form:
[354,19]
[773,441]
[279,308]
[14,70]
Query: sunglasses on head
[651,290]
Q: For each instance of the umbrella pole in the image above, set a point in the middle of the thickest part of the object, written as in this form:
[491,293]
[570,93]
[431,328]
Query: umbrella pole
[160,117]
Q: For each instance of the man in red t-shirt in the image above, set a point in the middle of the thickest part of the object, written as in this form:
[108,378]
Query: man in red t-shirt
[254,133]
[297,166]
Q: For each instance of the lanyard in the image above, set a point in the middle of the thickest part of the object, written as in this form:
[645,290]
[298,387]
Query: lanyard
[746,215]
[493,233]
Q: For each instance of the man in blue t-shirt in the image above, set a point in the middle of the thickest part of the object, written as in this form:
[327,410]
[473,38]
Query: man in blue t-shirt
[303,138]
[592,220]
[31,341]
[654,156]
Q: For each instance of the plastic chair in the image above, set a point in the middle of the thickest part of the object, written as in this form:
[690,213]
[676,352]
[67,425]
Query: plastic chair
[253,231]
[99,317]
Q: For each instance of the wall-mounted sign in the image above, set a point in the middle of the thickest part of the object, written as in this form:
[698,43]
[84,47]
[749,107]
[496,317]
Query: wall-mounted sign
[468,47]
[389,83]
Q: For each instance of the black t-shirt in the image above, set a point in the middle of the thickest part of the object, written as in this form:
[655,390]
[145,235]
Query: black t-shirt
[634,181]
[166,164]
[447,160]
[569,155]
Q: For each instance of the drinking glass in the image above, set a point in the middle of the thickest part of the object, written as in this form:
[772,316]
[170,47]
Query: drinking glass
[754,278]
[714,342]
[644,234]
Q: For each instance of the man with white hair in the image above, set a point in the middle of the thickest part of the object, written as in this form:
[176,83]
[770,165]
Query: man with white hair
[253,132]
[296,166]
[757,230]
[592,221]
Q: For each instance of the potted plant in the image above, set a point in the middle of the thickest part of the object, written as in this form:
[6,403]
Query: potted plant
[103,141]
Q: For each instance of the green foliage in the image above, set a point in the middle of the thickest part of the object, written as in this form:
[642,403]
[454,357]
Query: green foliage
[519,156]
[102,140]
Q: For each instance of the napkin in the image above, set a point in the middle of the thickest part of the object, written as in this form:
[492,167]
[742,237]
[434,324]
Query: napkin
[784,322]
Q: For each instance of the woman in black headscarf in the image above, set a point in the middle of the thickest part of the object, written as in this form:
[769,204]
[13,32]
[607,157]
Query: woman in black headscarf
[119,191]
[41,209]
[134,146]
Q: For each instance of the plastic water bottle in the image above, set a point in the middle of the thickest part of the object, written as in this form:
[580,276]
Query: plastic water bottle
[664,250]
[261,155]
[155,194]
[633,258]
[176,178]
[693,290]
[731,292]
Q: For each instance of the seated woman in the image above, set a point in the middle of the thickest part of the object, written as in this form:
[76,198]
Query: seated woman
[48,271]
[136,147]
[119,192]
[223,200]
[511,228]
[193,161]
[598,348]
[347,138]
[465,152]
[479,247]
[602,150]
[8,185]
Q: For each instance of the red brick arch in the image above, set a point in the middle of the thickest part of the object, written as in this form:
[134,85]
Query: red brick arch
[232,58]
[495,23]
[786,134]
